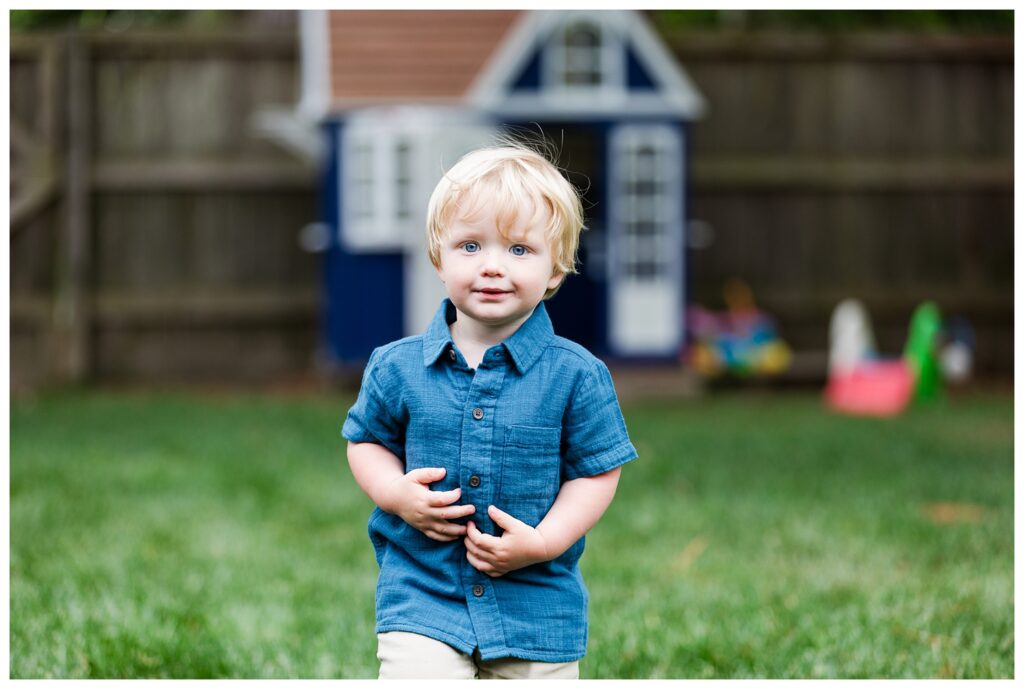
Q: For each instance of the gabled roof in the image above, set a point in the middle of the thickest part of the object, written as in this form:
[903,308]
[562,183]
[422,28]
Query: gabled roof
[409,55]
[667,87]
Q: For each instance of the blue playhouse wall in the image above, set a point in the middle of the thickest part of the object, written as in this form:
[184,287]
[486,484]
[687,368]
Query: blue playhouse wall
[363,293]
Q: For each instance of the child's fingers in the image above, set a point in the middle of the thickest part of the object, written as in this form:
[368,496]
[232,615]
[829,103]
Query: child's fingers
[442,498]
[457,511]
[472,533]
[473,549]
[477,563]
[446,528]
[427,474]
[503,519]
[479,538]
[482,564]
[435,535]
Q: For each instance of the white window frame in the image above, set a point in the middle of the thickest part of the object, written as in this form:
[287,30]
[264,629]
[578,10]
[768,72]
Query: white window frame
[611,87]
[591,58]
[383,227]
[660,210]
[646,308]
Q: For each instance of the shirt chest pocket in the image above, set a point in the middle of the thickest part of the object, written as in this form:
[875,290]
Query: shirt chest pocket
[531,463]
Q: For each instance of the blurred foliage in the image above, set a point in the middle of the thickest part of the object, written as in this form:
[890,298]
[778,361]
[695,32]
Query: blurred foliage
[118,20]
[924,21]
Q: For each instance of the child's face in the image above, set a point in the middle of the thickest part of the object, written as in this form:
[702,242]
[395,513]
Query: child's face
[493,280]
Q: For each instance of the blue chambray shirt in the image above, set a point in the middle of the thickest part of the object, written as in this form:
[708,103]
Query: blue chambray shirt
[539,410]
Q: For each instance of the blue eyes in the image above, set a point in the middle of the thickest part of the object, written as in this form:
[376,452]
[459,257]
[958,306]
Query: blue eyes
[516,250]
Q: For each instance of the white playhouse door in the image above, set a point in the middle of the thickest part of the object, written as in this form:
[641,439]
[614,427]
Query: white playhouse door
[646,242]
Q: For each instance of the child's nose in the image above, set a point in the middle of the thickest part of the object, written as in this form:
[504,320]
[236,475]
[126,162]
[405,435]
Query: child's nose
[492,264]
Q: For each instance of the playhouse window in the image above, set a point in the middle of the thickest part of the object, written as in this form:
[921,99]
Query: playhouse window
[582,55]
[378,191]
[645,158]
[403,180]
[360,198]
[642,223]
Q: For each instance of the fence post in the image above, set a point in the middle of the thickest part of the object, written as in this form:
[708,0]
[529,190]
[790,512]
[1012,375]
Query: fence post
[71,312]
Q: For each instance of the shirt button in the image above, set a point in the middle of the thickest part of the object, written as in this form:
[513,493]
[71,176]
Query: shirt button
[478,590]
[474,481]
[451,354]
[478,413]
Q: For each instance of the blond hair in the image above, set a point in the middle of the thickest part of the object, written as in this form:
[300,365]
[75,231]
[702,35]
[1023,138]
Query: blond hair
[503,178]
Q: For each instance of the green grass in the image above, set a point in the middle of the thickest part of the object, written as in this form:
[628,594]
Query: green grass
[758,536]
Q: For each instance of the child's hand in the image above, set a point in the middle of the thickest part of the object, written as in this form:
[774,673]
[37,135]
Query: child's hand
[409,497]
[519,546]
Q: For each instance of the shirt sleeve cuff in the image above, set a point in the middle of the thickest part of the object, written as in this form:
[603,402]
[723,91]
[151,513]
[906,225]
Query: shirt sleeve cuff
[357,433]
[599,464]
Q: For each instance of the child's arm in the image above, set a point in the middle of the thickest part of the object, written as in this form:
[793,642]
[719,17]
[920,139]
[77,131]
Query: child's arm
[580,503]
[381,475]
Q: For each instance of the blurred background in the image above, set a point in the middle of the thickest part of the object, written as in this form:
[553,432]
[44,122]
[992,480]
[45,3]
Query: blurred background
[162,231]
[207,233]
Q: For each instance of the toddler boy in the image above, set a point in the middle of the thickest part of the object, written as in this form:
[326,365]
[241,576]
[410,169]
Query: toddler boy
[489,445]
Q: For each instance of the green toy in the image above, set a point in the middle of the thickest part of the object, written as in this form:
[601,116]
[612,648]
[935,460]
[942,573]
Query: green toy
[920,352]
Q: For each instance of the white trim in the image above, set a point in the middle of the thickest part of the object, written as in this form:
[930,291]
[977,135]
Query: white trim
[315,64]
[586,108]
[291,129]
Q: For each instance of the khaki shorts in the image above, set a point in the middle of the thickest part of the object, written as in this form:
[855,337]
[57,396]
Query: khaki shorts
[404,655]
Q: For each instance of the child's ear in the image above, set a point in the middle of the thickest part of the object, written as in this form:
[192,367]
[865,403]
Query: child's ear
[556,279]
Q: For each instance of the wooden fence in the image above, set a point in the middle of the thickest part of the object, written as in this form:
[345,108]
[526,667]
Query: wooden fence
[153,234]
[168,249]
[869,166]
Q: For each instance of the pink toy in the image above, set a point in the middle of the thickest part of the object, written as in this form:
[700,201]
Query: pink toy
[872,388]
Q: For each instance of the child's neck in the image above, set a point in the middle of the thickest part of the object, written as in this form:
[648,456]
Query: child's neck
[474,338]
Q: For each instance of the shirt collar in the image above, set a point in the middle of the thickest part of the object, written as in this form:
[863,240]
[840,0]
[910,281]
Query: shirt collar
[524,346]
[437,338]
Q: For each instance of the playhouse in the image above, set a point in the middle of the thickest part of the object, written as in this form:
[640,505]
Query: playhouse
[398,96]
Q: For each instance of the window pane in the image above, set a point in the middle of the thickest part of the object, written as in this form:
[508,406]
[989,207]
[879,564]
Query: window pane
[581,50]
[643,194]
[403,180]
[361,177]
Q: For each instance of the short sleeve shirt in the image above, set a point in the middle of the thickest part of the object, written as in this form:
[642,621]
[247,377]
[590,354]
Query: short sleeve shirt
[538,410]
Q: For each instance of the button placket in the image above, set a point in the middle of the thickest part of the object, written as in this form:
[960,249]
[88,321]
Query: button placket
[476,464]
[477,476]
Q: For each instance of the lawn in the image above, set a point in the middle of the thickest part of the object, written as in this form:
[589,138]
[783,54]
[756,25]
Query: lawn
[758,536]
